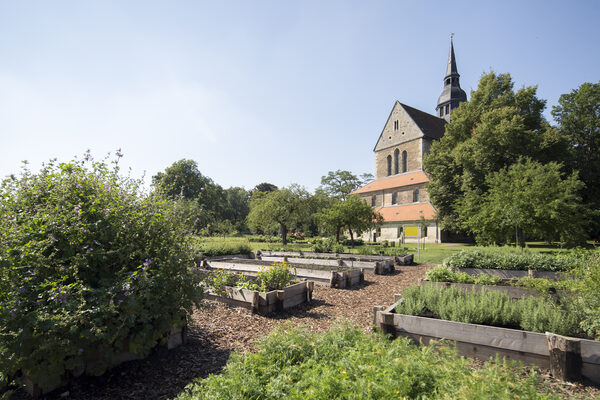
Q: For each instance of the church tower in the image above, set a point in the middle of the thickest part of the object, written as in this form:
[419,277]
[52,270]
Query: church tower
[452,95]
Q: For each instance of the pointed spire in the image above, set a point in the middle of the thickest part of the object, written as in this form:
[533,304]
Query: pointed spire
[452,95]
[451,69]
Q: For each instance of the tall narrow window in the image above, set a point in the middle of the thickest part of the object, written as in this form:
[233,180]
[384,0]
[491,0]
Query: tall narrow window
[395,198]
[416,196]
[447,108]
[389,165]
[373,200]
[396,125]
[396,161]
[404,161]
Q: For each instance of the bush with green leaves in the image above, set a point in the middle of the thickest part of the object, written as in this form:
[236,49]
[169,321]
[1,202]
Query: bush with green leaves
[276,276]
[345,363]
[510,258]
[443,273]
[89,266]
[328,245]
[222,248]
[489,308]
[585,293]
[371,250]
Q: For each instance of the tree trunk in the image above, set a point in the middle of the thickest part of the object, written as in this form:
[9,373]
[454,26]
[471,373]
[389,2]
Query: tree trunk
[283,234]
[351,237]
[337,234]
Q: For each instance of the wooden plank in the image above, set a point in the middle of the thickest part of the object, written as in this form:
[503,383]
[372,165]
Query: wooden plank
[292,301]
[483,352]
[510,339]
[295,289]
[591,371]
[590,351]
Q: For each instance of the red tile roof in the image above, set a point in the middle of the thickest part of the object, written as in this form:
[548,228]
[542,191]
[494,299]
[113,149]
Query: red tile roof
[407,212]
[406,179]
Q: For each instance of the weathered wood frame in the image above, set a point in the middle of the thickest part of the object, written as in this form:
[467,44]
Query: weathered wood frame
[397,260]
[340,279]
[265,302]
[484,342]
[510,274]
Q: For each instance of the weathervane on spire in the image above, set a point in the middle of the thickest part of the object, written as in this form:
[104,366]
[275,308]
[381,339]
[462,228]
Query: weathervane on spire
[452,36]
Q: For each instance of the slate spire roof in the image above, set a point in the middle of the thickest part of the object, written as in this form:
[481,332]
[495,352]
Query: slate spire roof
[452,95]
[451,69]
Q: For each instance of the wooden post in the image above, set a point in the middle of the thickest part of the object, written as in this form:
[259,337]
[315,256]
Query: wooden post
[333,279]
[362,275]
[376,309]
[397,297]
[565,357]
[255,301]
[310,285]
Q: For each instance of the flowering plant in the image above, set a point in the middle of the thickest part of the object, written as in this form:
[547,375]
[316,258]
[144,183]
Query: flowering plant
[89,266]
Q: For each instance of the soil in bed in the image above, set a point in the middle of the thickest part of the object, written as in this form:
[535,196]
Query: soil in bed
[216,330]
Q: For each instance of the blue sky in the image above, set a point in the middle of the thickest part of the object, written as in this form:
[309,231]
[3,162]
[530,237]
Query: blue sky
[255,91]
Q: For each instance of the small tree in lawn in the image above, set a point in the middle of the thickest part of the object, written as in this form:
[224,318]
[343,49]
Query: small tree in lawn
[532,199]
[283,209]
[358,216]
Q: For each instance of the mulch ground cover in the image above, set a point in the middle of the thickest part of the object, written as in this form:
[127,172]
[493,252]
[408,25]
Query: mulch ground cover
[216,330]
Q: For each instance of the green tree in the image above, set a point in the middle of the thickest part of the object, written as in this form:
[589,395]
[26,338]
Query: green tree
[490,132]
[183,180]
[529,199]
[578,118]
[284,209]
[340,184]
[237,207]
[264,187]
[353,214]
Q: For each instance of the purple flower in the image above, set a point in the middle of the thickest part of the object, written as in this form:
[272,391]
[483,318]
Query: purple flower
[13,313]
[147,262]
[81,350]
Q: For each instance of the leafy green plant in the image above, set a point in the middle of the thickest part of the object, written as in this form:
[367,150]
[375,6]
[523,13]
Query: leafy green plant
[489,308]
[510,258]
[328,245]
[443,273]
[224,248]
[486,279]
[89,265]
[275,277]
[345,363]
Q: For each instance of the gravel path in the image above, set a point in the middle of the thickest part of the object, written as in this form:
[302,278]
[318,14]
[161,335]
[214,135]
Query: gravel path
[216,330]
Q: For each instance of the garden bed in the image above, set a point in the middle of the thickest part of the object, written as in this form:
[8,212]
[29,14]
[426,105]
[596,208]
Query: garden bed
[574,357]
[397,260]
[331,276]
[265,302]
[510,274]
[512,291]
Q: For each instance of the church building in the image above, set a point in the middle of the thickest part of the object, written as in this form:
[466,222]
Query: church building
[399,191]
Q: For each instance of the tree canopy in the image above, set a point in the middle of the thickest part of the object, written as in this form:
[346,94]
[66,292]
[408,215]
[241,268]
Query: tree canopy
[353,214]
[340,183]
[578,118]
[492,131]
[284,209]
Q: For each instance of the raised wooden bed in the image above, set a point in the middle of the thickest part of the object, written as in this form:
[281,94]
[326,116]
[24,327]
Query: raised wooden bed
[512,291]
[175,338]
[265,302]
[568,358]
[510,274]
[331,276]
[398,260]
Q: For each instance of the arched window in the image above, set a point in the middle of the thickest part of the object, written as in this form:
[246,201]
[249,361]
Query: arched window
[404,161]
[416,196]
[396,161]
[389,165]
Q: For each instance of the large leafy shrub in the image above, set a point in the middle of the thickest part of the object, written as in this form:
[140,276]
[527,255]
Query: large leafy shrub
[345,363]
[90,267]
[510,258]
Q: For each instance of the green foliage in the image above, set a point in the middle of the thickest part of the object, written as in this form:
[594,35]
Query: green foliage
[275,277]
[528,199]
[586,293]
[494,308]
[442,273]
[510,258]
[345,363]
[328,245]
[88,265]
[219,279]
[486,279]
[578,117]
[339,184]
[368,250]
[540,285]
[353,214]
[222,248]
[488,133]
[284,209]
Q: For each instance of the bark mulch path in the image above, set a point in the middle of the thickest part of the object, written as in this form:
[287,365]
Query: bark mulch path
[216,330]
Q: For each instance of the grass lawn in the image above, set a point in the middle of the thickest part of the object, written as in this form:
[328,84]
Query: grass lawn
[433,253]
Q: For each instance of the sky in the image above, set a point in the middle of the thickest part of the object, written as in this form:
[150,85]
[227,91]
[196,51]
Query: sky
[261,91]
